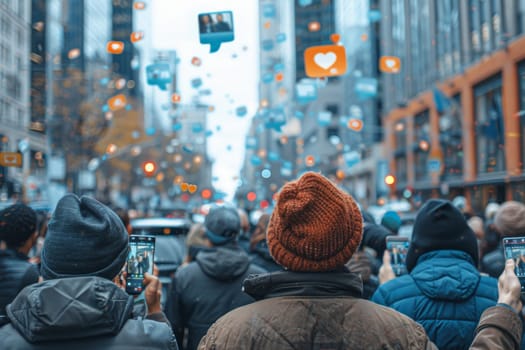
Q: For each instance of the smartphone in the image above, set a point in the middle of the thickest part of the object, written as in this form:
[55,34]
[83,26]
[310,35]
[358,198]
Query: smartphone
[514,248]
[140,261]
[398,248]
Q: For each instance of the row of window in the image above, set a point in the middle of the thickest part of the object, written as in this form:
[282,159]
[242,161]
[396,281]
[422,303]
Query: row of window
[489,130]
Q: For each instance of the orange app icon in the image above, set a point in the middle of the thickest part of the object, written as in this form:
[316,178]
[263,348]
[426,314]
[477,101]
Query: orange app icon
[139,5]
[355,124]
[115,47]
[325,61]
[117,102]
[389,64]
[136,36]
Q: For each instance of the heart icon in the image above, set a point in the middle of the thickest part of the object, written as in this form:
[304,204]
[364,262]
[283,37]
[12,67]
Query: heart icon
[325,60]
[184,187]
[115,46]
[192,188]
[390,63]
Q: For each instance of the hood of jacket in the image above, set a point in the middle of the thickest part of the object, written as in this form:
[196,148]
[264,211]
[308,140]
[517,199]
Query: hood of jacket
[311,284]
[224,262]
[70,308]
[446,275]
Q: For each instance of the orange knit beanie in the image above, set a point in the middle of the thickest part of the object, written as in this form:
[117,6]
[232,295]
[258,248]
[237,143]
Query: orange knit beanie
[315,226]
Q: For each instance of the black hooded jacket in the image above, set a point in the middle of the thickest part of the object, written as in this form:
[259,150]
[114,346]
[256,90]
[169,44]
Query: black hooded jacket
[81,313]
[206,289]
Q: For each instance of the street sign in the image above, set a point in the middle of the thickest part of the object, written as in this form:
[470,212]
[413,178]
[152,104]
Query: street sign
[11,159]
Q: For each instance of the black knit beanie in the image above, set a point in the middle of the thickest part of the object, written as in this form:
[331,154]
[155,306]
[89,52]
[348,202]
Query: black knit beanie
[84,238]
[438,226]
[17,224]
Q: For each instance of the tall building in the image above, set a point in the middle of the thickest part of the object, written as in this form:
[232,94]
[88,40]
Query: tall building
[15,111]
[454,113]
[80,82]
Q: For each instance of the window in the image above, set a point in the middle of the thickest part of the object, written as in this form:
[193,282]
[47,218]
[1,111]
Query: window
[450,137]
[401,151]
[490,136]
[475,28]
[421,145]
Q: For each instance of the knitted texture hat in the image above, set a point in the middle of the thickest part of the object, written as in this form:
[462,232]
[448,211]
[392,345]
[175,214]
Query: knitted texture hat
[223,225]
[315,226]
[440,225]
[17,224]
[84,238]
[510,219]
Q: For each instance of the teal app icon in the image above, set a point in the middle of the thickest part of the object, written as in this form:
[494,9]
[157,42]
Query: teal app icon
[216,28]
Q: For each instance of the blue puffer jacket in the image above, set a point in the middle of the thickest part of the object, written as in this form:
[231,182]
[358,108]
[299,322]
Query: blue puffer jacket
[445,294]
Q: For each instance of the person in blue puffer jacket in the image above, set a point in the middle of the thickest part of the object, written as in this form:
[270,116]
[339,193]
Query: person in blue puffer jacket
[443,291]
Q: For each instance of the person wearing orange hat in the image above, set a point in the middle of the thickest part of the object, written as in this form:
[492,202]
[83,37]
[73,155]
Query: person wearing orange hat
[314,304]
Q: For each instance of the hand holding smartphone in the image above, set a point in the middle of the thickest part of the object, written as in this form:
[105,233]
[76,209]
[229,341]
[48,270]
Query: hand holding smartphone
[140,261]
[514,248]
[398,248]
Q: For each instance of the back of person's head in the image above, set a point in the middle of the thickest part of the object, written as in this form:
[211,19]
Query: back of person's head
[439,225]
[391,221]
[510,219]
[84,238]
[18,223]
[259,233]
[222,225]
[491,210]
[315,226]
[476,224]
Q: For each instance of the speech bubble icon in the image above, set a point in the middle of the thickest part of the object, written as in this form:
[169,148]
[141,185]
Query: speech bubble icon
[216,28]
[159,74]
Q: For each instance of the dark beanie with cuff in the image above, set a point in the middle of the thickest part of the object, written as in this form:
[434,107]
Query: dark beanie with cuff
[315,226]
[223,225]
[84,238]
[439,225]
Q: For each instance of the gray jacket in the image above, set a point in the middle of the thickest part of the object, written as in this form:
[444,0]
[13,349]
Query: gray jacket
[79,313]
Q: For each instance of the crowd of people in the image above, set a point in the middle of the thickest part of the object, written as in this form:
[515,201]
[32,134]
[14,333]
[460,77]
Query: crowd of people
[313,274]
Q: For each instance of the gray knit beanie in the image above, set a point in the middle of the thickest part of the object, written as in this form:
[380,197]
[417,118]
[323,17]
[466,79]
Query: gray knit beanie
[84,238]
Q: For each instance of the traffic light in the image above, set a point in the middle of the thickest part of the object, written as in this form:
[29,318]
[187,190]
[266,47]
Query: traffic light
[149,167]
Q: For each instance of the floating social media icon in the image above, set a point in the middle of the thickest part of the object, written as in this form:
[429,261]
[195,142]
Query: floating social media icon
[175,98]
[216,28]
[366,88]
[159,74]
[335,38]
[139,5]
[280,38]
[325,61]
[115,47]
[324,118]
[390,64]
[355,124]
[304,3]
[11,159]
[136,36]
[196,83]
[314,26]
[269,10]
[241,111]
[196,61]
[306,91]
[117,102]
[267,45]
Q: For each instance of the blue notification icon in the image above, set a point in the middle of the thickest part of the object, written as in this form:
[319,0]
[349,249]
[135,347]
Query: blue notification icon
[159,74]
[216,28]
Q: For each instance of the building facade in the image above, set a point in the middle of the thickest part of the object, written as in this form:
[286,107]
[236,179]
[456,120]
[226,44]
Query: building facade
[454,114]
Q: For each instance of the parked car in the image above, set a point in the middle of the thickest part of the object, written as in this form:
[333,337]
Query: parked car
[170,247]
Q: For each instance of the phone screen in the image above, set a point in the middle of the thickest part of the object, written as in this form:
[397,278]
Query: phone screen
[398,248]
[515,249]
[140,261]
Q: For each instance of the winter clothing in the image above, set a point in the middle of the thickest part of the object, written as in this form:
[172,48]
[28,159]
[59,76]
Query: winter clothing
[493,263]
[84,237]
[312,311]
[391,221]
[16,273]
[222,225]
[439,225]
[510,219]
[79,313]
[17,224]
[362,264]
[206,289]
[445,294]
[315,226]
[260,256]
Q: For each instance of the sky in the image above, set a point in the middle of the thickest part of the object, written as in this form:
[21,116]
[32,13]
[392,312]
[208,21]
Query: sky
[233,81]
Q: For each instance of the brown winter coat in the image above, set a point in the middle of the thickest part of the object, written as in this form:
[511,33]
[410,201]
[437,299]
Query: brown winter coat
[321,311]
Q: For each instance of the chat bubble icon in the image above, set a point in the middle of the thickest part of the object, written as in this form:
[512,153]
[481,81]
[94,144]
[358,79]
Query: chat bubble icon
[216,28]
[159,74]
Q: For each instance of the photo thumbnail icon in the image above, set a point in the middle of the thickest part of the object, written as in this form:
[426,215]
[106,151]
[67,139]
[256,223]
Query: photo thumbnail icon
[216,28]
